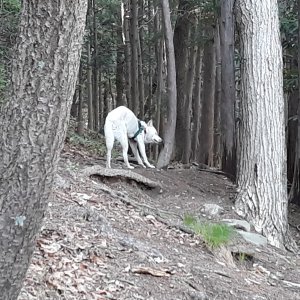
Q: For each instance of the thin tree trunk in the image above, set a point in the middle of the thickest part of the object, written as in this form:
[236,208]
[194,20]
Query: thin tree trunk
[197,103]
[228,145]
[95,70]
[120,66]
[205,154]
[218,86]
[100,99]
[186,154]
[169,132]
[89,88]
[134,40]
[262,194]
[141,83]
[141,80]
[33,126]
[159,50]
[127,46]
[181,43]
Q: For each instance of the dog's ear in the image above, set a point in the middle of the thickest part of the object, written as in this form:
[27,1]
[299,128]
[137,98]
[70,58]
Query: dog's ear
[150,123]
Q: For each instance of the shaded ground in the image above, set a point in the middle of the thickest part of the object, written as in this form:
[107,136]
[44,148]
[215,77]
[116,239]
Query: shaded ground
[115,239]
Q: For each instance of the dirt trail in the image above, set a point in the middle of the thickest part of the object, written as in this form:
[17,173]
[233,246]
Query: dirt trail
[115,239]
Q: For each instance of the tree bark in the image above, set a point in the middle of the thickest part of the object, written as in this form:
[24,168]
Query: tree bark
[227,138]
[140,49]
[186,141]
[127,46]
[89,87]
[217,112]
[33,126]
[134,36]
[181,44]
[96,108]
[205,153]
[80,120]
[261,178]
[197,103]
[120,65]
[159,53]
[169,132]
[294,194]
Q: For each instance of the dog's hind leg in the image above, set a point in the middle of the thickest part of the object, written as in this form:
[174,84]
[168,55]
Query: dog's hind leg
[109,140]
[133,146]
[124,143]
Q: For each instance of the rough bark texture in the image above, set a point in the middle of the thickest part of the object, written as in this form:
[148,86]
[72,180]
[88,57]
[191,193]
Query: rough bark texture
[262,195]
[119,173]
[33,125]
[227,138]
[169,132]
[80,120]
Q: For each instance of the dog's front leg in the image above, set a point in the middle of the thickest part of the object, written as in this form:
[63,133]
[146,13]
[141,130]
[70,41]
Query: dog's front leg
[142,149]
[133,146]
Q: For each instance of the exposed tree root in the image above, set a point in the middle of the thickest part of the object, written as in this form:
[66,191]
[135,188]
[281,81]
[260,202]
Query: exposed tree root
[119,173]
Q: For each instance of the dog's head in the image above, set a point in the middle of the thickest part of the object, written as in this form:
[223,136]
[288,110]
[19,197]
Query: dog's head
[150,133]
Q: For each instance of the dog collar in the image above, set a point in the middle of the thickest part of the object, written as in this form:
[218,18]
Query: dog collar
[140,130]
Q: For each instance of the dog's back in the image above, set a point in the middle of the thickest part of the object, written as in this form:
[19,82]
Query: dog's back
[121,113]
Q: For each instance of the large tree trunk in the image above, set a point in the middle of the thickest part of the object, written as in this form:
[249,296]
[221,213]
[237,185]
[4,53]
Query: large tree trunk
[169,132]
[33,126]
[261,178]
[227,141]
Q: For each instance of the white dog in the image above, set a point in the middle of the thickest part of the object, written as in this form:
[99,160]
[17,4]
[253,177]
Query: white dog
[123,125]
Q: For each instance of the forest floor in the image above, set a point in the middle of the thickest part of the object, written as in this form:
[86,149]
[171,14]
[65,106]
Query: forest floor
[111,238]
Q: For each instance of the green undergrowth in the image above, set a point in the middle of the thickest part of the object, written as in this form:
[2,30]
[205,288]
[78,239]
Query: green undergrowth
[92,144]
[214,235]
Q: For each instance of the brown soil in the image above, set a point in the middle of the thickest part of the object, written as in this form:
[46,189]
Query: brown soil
[119,239]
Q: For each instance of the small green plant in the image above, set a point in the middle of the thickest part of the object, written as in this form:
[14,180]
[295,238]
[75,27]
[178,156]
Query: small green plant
[214,235]
[90,144]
